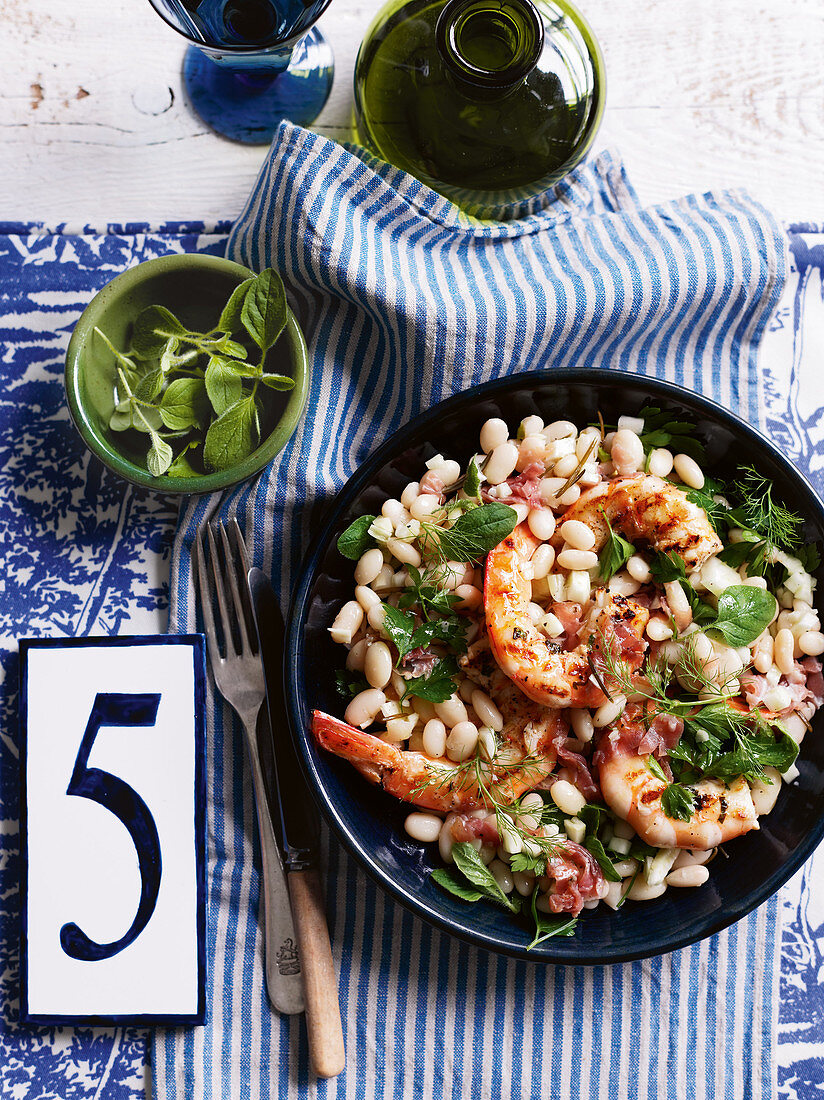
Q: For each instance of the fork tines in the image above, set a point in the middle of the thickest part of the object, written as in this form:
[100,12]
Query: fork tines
[229,567]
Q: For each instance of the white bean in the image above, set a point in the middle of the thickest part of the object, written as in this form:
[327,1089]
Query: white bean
[410,494]
[461,742]
[622,584]
[524,882]
[783,653]
[531,425]
[366,597]
[424,708]
[688,876]
[486,710]
[465,689]
[347,622]
[627,452]
[567,797]
[660,462]
[423,827]
[377,665]
[585,441]
[638,569]
[501,463]
[577,535]
[582,724]
[811,643]
[689,471]
[658,629]
[764,795]
[541,523]
[364,708]
[762,653]
[532,449]
[384,578]
[606,714]
[493,434]
[502,875]
[511,840]
[577,559]
[404,551]
[356,655]
[369,565]
[691,858]
[678,604]
[631,423]
[560,429]
[451,711]
[434,738]
[400,729]
[469,597]
[423,506]
[521,510]
[375,616]
[570,496]
[394,510]
[565,465]
[642,891]
[542,561]
[446,840]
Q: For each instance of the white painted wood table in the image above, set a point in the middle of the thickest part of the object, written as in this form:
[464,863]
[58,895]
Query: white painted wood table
[95,125]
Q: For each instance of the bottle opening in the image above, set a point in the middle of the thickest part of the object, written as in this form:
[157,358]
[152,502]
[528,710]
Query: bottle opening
[490,44]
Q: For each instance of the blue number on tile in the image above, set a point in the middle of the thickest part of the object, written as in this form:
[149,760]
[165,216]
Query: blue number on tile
[126,804]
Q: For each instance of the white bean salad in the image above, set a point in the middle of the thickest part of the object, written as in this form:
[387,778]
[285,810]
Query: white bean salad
[584,663]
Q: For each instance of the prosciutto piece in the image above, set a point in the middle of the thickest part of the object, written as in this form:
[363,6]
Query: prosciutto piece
[577,878]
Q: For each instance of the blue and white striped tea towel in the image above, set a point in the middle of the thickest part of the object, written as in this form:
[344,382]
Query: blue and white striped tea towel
[405,301]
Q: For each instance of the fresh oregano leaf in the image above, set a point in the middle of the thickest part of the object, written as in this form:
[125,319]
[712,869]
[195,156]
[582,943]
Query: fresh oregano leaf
[184,404]
[230,317]
[122,360]
[278,381]
[356,540]
[153,328]
[472,481]
[150,385]
[159,458]
[230,439]
[223,384]
[263,313]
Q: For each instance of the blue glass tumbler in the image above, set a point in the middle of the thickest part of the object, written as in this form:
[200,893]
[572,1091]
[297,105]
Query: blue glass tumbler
[252,63]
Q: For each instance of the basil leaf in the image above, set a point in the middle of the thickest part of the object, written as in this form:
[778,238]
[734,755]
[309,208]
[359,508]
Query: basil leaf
[477,532]
[153,328]
[438,685]
[449,880]
[667,567]
[263,313]
[615,553]
[185,404]
[596,848]
[223,384]
[399,626]
[159,458]
[356,540]
[678,802]
[230,439]
[472,481]
[230,317]
[473,868]
[744,612]
[547,926]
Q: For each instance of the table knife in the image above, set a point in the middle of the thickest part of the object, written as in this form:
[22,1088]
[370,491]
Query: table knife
[296,827]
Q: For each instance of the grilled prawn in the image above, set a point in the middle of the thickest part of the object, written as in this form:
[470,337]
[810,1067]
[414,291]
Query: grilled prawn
[439,784]
[648,508]
[543,670]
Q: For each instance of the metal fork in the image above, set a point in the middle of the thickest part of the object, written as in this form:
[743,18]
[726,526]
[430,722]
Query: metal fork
[238,673]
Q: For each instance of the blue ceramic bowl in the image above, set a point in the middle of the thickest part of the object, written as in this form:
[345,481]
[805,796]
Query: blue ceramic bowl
[370,823]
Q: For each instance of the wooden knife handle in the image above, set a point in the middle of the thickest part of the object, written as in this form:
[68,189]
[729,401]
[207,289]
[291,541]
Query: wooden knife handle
[319,979]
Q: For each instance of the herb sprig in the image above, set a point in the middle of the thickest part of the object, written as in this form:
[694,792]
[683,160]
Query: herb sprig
[201,390]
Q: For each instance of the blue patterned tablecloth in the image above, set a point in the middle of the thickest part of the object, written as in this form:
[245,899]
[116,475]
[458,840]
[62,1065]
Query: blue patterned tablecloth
[84,554]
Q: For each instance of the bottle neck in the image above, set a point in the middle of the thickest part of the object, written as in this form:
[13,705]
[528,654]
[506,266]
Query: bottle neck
[490,46]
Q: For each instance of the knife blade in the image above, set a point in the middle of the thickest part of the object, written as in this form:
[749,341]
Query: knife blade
[296,826]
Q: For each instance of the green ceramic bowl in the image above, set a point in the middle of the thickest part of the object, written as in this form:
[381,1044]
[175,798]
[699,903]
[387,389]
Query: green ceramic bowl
[195,288]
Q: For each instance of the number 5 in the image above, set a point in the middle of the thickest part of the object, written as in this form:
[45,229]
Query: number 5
[126,804]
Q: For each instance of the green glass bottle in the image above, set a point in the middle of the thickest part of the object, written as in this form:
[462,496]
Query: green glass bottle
[489,102]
